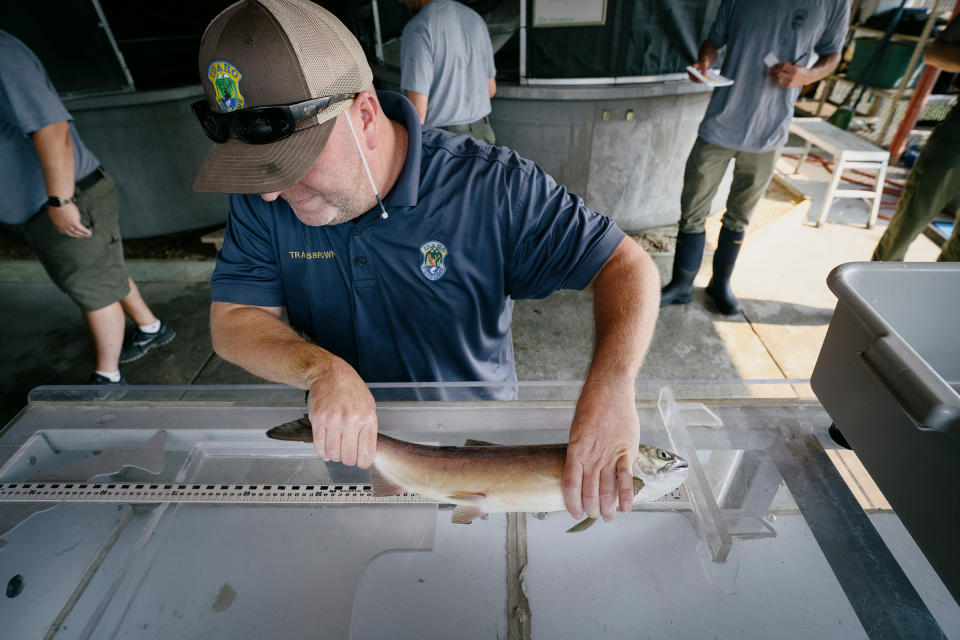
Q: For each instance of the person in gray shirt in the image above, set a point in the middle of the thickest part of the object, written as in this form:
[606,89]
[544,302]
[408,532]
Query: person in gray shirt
[770,45]
[66,205]
[447,68]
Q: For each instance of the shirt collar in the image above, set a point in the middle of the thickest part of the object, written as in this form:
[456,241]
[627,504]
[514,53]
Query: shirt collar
[406,189]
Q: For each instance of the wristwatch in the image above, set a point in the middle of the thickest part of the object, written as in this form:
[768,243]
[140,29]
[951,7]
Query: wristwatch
[55,201]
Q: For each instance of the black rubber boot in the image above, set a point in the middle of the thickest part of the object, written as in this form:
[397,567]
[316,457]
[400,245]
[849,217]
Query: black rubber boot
[686,263]
[728,247]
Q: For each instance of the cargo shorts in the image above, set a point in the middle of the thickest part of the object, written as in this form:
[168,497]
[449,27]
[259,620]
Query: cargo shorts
[89,270]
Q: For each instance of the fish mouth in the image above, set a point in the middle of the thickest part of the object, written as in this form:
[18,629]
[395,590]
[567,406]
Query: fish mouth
[681,464]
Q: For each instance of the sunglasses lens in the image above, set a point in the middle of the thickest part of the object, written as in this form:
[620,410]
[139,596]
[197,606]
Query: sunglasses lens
[215,128]
[263,125]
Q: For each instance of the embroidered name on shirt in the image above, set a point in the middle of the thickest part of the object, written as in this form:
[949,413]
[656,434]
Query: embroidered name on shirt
[312,255]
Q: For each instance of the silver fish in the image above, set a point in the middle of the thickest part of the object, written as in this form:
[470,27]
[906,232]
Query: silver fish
[494,478]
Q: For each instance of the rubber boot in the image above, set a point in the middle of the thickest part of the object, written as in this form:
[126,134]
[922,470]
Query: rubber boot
[686,264]
[728,247]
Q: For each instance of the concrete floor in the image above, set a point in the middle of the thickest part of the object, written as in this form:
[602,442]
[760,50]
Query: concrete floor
[780,279]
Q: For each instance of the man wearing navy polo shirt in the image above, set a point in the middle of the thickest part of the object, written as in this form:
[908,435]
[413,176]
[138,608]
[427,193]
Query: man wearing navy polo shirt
[397,251]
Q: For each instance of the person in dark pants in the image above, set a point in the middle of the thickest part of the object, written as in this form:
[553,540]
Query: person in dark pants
[66,205]
[934,179]
[447,68]
[747,122]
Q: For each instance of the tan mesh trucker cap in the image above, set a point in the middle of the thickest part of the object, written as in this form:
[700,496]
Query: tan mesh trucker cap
[275,52]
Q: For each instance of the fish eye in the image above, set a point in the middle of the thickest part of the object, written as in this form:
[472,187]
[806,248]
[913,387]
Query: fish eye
[663,454]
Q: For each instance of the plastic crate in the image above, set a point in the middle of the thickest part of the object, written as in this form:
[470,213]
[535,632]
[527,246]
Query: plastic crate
[889,375]
[892,67]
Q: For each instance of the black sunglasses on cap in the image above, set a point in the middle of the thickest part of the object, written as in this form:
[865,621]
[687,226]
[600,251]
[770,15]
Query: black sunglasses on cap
[261,125]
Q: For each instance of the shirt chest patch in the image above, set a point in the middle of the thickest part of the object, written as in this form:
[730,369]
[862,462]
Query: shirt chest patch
[433,260]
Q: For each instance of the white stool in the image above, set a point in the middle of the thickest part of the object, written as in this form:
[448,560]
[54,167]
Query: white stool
[848,152]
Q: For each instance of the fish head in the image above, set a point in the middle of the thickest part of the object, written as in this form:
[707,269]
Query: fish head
[660,470]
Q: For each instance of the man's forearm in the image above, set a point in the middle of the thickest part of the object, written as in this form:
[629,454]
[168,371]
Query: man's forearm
[822,68]
[604,433]
[257,340]
[420,102]
[55,150]
[944,55]
[626,303]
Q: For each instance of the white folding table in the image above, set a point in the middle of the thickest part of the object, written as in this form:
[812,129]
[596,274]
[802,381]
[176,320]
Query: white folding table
[849,152]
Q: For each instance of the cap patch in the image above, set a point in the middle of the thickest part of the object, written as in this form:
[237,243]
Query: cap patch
[433,258]
[226,83]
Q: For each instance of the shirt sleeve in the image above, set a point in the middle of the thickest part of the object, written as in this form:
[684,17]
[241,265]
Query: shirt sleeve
[831,40]
[247,271]
[557,241]
[416,61]
[28,100]
[951,33]
[718,33]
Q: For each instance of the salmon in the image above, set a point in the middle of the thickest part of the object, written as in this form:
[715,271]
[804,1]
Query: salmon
[483,478]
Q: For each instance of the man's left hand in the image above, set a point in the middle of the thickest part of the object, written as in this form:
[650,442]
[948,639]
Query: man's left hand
[604,439]
[787,74]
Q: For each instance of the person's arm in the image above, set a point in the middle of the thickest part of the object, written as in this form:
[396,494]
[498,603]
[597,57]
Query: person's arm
[604,434]
[492,86]
[341,408]
[708,54]
[787,74]
[944,55]
[419,101]
[55,150]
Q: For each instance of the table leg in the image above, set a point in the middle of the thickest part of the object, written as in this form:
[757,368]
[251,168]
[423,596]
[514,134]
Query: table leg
[803,156]
[828,198]
[878,194]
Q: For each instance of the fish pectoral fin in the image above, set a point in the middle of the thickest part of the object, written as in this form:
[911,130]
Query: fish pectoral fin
[466,513]
[583,525]
[298,430]
[470,442]
[384,486]
[637,486]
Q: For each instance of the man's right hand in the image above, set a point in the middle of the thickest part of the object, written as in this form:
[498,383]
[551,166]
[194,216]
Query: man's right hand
[702,65]
[67,221]
[344,417]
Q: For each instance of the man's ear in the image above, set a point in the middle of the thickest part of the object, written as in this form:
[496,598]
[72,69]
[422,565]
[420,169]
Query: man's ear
[369,108]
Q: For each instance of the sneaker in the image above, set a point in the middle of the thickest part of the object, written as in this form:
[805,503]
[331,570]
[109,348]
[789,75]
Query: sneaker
[96,378]
[139,343]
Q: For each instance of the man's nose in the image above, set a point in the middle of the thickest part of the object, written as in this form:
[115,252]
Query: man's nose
[270,197]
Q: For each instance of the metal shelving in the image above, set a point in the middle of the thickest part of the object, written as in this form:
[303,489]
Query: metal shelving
[879,96]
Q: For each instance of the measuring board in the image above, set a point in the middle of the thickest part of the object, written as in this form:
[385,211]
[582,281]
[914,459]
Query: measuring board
[132,493]
[144,493]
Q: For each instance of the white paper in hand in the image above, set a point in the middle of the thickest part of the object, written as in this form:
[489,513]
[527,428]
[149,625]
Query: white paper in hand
[712,78]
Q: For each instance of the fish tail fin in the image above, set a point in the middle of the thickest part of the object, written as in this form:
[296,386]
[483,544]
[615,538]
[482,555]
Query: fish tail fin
[298,430]
[583,525]
[382,485]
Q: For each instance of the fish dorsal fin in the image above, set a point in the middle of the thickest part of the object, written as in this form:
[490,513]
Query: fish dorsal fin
[478,443]
[298,430]
[637,486]
[583,525]
[382,485]
[466,513]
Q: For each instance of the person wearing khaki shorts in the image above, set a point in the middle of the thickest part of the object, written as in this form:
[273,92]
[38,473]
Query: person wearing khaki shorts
[67,206]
